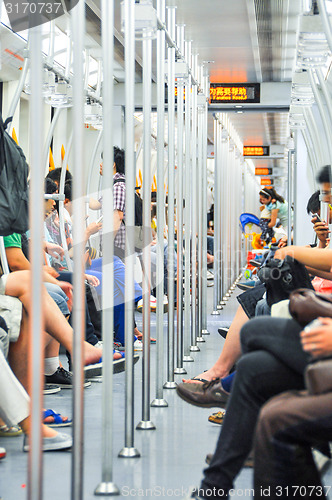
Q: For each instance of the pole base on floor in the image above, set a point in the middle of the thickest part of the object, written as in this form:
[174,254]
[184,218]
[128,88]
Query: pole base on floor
[205,332]
[219,307]
[159,403]
[106,489]
[200,339]
[145,425]
[188,359]
[170,385]
[228,294]
[222,303]
[194,348]
[180,371]
[129,452]
[215,313]
[225,299]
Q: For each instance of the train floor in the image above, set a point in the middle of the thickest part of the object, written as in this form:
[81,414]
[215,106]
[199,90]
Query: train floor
[172,456]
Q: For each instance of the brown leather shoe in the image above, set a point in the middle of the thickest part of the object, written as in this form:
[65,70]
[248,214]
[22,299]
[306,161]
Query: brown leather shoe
[205,395]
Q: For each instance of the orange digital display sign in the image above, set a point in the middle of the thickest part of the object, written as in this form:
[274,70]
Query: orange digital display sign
[266,182]
[255,150]
[263,171]
[234,92]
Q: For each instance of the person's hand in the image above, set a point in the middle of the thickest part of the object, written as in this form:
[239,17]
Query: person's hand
[51,271]
[282,252]
[54,250]
[93,228]
[318,341]
[93,280]
[282,242]
[101,169]
[322,231]
[67,288]
[153,242]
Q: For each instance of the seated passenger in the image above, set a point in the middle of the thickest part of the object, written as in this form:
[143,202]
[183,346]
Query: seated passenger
[272,362]
[95,269]
[289,425]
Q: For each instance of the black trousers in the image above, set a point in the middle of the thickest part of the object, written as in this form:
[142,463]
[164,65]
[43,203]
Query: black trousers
[272,362]
[288,426]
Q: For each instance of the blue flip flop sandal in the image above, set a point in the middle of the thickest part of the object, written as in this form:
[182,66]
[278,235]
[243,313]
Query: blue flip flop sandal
[58,419]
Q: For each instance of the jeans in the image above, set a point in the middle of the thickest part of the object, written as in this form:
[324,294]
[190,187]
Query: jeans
[59,297]
[272,362]
[89,328]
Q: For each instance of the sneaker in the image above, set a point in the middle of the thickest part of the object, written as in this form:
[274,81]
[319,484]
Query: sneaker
[153,304]
[56,443]
[99,344]
[2,452]
[138,345]
[63,379]
[51,389]
[210,276]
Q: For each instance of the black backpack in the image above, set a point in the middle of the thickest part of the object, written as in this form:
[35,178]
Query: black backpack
[14,191]
[138,206]
[281,277]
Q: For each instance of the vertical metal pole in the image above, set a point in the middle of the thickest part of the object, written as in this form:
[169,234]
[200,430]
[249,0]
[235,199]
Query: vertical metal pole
[145,423]
[201,210]
[223,221]
[219,189]
[289,196]
[227,214]
[217,201]
[187,214]
[170,384]
[129,451]
[295,190]
[194,323]
[36,323]
[107,486]
[159,399]
[78,30]
[204,202]
[179,215]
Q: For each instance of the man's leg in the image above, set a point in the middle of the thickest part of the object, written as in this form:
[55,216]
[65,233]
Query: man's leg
[259,376]
[288,426]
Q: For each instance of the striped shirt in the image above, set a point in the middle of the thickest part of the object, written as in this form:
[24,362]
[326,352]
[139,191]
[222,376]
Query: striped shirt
[119,203]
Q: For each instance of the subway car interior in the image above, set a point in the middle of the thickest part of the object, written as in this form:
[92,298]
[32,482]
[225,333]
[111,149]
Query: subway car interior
[189,143]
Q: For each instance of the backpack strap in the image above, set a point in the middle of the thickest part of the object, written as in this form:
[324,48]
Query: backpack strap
[7,122]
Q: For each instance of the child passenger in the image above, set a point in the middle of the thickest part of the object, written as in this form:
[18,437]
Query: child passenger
[265,219]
